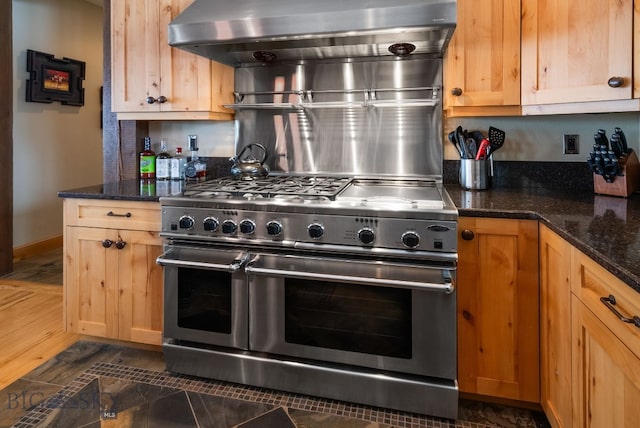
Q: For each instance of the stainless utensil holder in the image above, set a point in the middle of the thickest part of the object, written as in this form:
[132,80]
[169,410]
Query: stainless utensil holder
[475,174]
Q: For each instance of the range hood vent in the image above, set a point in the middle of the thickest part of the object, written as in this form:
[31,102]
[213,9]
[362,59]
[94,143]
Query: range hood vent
[236,32]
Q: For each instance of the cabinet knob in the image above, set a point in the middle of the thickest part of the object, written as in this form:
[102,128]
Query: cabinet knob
[160,100]
[466,315]
[615,82]
[456,92]
[467,235]
[107,243]
[120,244]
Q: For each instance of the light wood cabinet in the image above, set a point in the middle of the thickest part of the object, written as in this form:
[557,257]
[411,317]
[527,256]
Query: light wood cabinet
[606,350]
[571,51]
[482,63]
[113,286]
[144,67]
[555,328]
[498,318]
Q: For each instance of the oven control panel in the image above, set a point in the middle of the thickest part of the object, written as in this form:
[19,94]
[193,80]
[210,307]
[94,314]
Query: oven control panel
[289,229]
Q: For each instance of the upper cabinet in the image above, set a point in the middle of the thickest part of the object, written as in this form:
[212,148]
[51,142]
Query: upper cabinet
[150,79]
[482,64]
[577,56]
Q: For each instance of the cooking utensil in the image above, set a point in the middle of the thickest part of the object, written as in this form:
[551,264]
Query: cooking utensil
[249,168]
[452,137]
[461,138]
[471,147]
[483,150]
[496,139]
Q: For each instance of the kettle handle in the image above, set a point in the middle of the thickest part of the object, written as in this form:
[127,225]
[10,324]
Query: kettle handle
[248,147]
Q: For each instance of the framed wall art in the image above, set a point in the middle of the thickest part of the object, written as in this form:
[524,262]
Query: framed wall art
[52,79]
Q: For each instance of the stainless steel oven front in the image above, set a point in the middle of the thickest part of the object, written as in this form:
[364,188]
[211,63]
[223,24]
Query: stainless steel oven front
[384,315]
[206,295]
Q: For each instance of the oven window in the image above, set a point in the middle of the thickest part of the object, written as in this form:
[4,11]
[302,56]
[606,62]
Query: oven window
[204,300]
[348,317]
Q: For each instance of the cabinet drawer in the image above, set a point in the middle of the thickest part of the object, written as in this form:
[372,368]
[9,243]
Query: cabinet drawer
[590,282]
[131,215]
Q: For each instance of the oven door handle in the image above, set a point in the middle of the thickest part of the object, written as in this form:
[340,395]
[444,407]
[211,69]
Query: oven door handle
[169,259]
[446,287]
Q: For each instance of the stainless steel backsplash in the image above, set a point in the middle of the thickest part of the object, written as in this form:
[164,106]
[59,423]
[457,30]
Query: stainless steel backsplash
[365,118]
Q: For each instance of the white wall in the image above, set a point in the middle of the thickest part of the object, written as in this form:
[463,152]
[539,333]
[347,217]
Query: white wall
[56,147]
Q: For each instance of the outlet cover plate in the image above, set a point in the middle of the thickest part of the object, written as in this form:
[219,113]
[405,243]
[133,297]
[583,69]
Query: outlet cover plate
[570,144]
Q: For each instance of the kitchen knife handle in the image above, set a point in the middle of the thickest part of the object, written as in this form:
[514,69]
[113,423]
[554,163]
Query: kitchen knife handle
[615,82]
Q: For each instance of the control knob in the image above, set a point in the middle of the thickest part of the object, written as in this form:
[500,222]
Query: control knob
[247,227]
[186,222]
[229,227]
[410,239]
[366,236]
[315,230]
[210,224]
[274,228]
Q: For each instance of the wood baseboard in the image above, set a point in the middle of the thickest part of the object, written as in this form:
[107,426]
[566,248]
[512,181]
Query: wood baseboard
[36,248]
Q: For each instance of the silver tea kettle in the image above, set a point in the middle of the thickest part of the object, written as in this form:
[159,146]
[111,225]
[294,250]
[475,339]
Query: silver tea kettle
[249,168]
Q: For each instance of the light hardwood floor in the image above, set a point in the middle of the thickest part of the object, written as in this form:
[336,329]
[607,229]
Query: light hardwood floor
[31,328]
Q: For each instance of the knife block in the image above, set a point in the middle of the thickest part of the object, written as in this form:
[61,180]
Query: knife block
[627,182]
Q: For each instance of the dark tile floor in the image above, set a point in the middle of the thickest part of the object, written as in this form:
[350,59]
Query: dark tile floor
[101,385]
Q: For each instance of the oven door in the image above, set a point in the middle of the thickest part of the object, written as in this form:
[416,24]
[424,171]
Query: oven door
[387,316]
[205,297]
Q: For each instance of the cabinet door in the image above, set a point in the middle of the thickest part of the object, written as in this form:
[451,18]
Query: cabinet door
[135,55]
[606,374]
[91,277]
[185,78]
[498,323]
[144,65]
[555,327]
[140,287]
[483,58]
[571,48]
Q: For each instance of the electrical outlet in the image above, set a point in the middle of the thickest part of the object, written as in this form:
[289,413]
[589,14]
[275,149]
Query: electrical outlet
[570,144]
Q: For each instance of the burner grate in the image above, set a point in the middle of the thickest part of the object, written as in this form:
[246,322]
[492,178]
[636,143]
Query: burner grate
[316,186]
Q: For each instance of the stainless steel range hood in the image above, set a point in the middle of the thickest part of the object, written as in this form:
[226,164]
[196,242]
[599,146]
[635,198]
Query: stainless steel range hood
[248,31]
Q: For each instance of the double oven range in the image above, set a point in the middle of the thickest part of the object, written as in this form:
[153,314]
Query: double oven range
[335,286]
[334,276]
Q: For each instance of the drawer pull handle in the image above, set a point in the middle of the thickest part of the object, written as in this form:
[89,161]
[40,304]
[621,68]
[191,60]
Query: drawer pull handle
[610,302]
[112,214]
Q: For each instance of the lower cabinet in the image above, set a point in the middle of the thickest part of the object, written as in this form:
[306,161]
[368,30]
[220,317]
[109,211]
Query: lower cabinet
[590,358]
[498,313]
[605,349]
[555,328]
[113,286]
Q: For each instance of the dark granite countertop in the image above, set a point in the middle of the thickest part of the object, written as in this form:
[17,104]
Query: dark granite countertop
[127,190]
[603,227]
